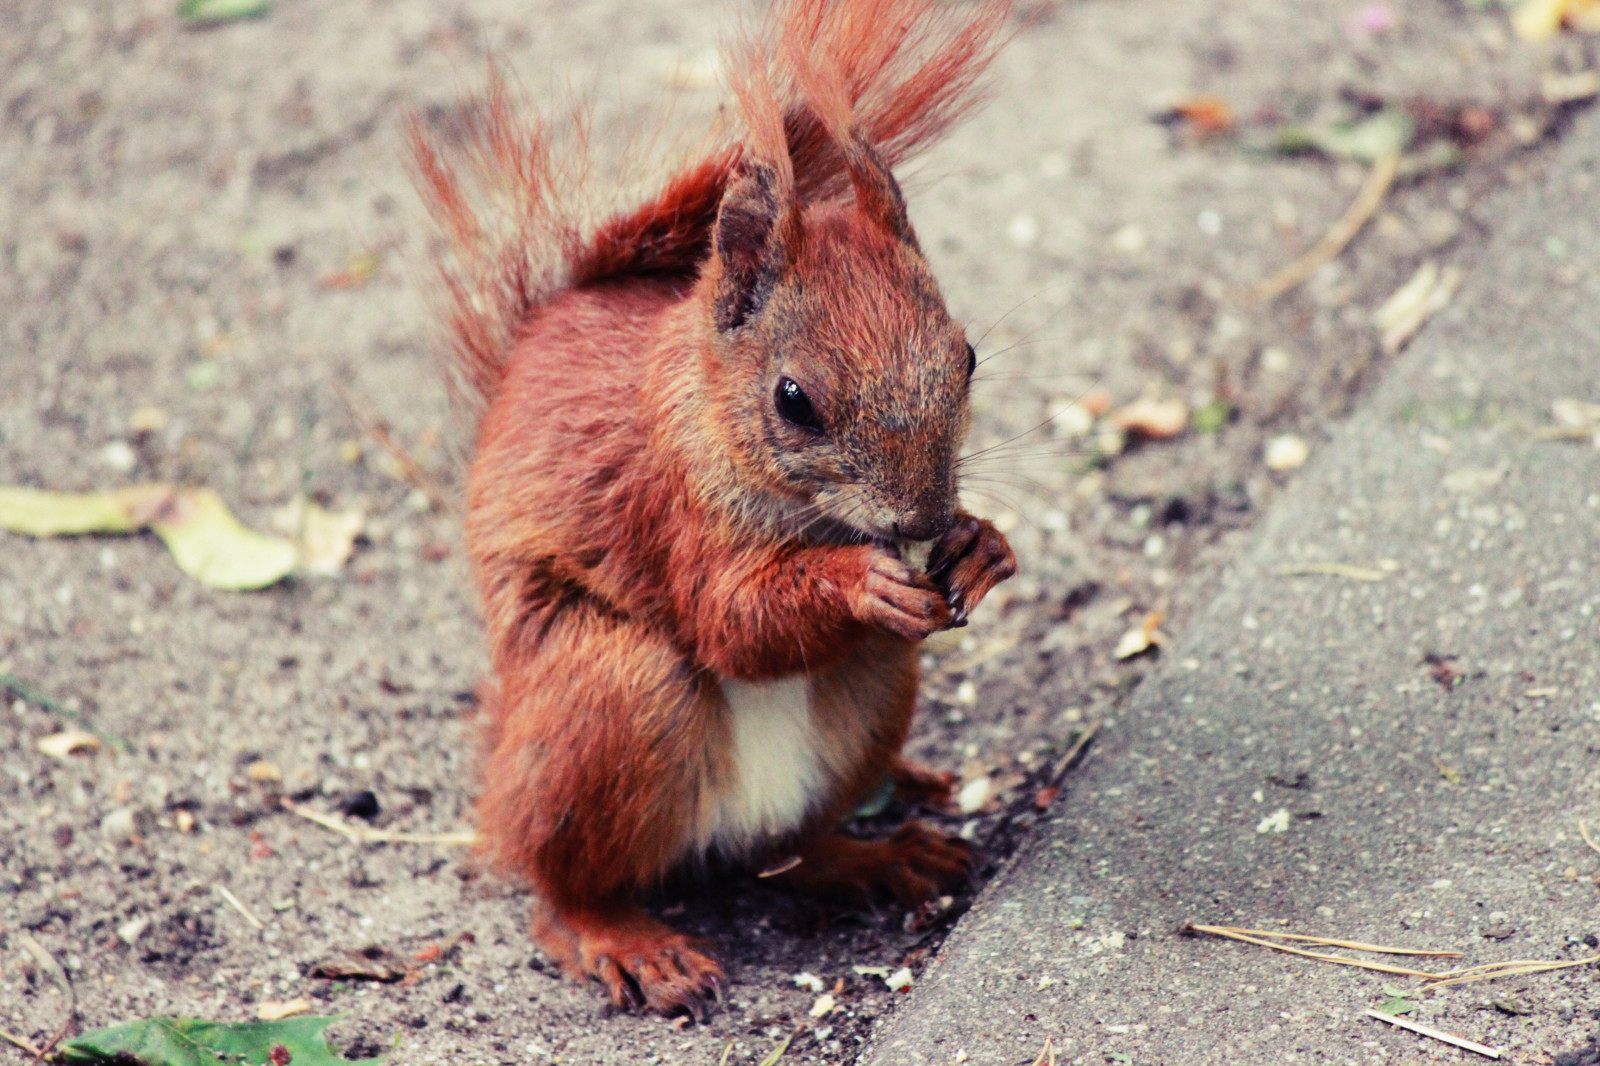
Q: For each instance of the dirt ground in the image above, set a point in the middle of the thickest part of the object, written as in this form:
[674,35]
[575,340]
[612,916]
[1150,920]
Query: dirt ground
[187,221]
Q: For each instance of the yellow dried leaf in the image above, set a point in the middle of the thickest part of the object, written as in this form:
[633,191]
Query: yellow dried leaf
[1152,418]
[261,770]
[1538,20]
[65,744]
[210,545]
[54,514]
[324,539]
[272,1011]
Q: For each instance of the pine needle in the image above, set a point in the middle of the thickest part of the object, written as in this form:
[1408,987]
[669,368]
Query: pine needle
[1587,839]
[1342,960]
[1444,979]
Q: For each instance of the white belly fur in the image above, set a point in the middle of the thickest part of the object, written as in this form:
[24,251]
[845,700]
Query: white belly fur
[777,772]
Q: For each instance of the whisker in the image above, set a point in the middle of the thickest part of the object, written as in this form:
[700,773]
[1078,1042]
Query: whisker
[1019,306]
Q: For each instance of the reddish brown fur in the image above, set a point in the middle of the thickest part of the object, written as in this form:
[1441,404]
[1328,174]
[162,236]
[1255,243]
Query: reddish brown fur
[644,522]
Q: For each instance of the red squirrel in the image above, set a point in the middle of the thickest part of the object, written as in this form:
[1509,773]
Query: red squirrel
[712,429]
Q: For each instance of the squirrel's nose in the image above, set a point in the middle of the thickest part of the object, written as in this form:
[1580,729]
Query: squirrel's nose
[924,524]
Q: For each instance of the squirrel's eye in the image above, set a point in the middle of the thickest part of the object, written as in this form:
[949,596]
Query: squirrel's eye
[972,360]
[795,407]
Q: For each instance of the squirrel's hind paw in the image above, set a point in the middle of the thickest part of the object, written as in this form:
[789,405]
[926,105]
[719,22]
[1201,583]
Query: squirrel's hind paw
[642,963]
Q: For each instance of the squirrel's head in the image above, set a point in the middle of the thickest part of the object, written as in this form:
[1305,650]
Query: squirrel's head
[841,381]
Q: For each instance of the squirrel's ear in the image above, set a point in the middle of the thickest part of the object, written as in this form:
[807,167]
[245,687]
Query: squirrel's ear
[877,191]
[757,227]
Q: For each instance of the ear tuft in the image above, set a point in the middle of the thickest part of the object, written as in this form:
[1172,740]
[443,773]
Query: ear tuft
[755,233]
[877,191]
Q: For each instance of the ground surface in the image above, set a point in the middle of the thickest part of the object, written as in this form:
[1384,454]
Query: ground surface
[175,208]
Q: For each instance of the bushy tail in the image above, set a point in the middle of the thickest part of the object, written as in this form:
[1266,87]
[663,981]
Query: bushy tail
[508,194]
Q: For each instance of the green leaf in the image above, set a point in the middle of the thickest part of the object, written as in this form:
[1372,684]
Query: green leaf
[1397,1005]
[1213,416]
[191,1042]
[1365,141]
[207,12]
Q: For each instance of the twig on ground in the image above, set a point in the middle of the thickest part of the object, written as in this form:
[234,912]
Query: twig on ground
[1587,839]
[1582,432]
[415,476]
[727,1050]
[1354,573]
[359,835]
[1341,234]
[1437,1034]
[233,901]
[1075,752]
[1047,1054]
[49,1048]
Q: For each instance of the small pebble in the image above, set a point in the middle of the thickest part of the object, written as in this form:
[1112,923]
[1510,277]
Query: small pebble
[132,930]
[123,824]
[1023,230]
[119,456]
[1287,452]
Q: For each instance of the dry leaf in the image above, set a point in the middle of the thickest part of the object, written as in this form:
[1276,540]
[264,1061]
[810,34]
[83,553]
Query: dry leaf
[1561,89]
[1571,412]
[1158,419]
[261,770]
[809,981]
[56,514]
[1146,635]
[1540,20]
[210,545]
[1429,291]
[823,1006]
[324,539]
[1206,114]
[371,963]
[360,271]
[271,1011]
[205,539]
[1468,479]
[65,744]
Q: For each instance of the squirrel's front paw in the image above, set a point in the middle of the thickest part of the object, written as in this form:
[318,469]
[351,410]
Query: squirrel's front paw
[895,597]
[968,561]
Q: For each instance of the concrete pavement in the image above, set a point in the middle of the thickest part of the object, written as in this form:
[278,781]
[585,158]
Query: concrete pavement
[1402,761]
